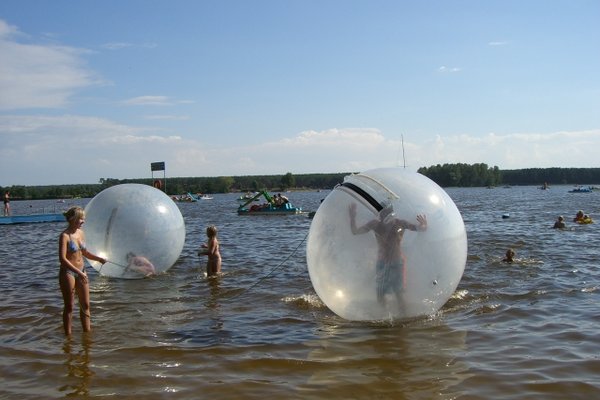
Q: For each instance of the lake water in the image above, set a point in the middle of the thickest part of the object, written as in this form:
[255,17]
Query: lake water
[527,330]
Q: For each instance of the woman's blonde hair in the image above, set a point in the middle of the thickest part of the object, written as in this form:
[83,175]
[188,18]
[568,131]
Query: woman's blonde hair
[74,213]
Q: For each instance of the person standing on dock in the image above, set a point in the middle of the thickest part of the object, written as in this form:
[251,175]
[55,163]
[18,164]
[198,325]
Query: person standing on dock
[6,203]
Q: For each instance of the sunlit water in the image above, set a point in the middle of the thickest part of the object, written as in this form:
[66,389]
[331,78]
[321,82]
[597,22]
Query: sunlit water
[511,331]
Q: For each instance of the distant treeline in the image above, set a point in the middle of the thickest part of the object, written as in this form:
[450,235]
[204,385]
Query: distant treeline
[465,175]
[175,186]
[447,175]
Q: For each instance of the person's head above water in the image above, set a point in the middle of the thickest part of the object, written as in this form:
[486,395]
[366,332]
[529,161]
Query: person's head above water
[510,255]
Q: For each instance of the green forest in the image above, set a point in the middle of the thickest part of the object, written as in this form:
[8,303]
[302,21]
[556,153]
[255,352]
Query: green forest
[446,175]
[477,175]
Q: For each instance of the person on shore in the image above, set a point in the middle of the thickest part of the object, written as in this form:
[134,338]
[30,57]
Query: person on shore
[211,250]
[390,265]
[72,277]
[560,223]
[6,199]
[509,256]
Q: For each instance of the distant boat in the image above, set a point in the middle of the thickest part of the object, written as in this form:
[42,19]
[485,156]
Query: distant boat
[247,196]
[581,189]
[269,208]
[185,198]
[196,197]
[32,218]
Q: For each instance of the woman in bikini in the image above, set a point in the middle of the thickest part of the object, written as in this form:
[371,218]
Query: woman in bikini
[72,276]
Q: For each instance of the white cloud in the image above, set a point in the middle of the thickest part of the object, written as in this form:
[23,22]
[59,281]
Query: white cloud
[154,101]
[133,139]
[445,69]
[35,76]
[168,117]
[6,30]
[124,45]
[77,149]
[498,43]
[148,101]
[116,45]
[514,151]
[353,137]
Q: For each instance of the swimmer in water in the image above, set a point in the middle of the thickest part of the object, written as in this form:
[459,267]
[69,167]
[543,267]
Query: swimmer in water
[560,223]
[509,256]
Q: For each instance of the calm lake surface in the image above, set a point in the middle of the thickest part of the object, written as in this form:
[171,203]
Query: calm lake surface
[528,330]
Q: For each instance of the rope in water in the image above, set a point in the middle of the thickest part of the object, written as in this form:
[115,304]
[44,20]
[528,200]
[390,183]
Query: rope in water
[271,272]
[114,263]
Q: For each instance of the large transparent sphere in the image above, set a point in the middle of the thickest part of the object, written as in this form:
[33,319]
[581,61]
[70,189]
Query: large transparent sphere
[388,263]
[138,228]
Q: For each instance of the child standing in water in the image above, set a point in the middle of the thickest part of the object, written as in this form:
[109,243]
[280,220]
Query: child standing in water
[211,249]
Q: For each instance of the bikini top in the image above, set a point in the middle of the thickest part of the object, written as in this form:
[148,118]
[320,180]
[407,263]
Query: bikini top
[73,246]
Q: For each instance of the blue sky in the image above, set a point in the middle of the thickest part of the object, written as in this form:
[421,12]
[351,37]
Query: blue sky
[100,89]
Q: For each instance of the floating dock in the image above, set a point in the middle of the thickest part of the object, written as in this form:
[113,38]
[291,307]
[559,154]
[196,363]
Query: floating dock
[32,218]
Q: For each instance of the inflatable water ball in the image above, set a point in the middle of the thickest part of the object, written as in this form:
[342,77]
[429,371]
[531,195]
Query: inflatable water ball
[386,244]
[138,228]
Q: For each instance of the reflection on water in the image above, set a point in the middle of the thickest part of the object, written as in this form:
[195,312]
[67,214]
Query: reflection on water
[420,361]
[213,304]
[512,331]
[77,363]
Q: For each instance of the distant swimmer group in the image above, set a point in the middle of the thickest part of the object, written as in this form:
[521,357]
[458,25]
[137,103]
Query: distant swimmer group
[581,218]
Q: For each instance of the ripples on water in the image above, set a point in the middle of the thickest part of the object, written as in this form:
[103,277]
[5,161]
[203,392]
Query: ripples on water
[520,331]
